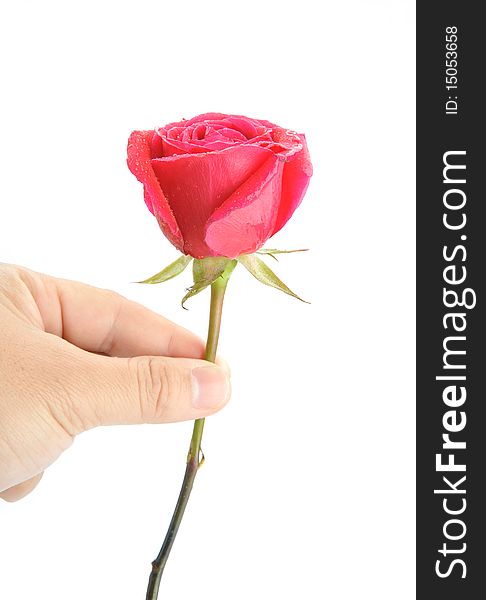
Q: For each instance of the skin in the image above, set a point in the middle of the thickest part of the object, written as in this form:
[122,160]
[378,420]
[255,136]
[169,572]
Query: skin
[73,357]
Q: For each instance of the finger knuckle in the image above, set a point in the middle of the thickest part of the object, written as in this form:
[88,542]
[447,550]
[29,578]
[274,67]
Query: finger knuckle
[13,283]
[158,385]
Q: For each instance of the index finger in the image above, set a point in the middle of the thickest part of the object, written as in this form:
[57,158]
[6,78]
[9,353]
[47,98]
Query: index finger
[102,321]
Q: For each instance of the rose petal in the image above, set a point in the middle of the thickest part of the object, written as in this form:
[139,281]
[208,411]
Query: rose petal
[156,146]
[195,185]
[228,134]
[206,117]
[172,147]
[250,128]
[247,219]
[139,163]
[296,176]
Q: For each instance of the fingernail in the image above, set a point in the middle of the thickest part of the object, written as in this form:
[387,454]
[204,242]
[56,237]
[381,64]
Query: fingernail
[210,387]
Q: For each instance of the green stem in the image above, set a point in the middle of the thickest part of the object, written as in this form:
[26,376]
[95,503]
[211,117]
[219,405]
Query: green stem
[194,461]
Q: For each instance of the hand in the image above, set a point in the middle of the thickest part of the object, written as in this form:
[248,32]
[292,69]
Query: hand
[73,357]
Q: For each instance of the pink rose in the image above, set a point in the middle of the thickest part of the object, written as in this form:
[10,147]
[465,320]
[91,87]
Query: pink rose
[220,185]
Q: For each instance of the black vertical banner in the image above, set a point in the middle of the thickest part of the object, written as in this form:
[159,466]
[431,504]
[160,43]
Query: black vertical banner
[451,251]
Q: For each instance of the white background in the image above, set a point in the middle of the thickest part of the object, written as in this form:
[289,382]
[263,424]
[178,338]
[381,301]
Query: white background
[308,487]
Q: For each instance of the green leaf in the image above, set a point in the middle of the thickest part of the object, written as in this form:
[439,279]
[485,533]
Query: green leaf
[170,271]
[206,271]
[264,274]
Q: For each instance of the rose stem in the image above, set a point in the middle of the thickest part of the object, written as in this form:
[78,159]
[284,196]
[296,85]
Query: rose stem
[218,289]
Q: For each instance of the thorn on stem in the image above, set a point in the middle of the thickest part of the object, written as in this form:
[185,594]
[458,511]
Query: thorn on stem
[202,458]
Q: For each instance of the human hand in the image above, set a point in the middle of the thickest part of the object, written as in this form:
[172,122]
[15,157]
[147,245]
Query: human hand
[73,357]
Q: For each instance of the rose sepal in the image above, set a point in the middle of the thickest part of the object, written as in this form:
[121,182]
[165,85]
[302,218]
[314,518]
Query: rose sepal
[272,251]
[262,272]
[206,271]
[175,268]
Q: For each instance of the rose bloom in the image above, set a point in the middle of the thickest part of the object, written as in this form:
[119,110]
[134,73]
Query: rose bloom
[220,185]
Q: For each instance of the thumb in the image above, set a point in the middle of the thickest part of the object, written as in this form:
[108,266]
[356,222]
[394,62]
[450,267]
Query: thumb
[144,389]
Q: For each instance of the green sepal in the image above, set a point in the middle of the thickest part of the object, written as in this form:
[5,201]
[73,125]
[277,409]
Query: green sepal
[170,271]
[272,251]
[264,274]
[206,271]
